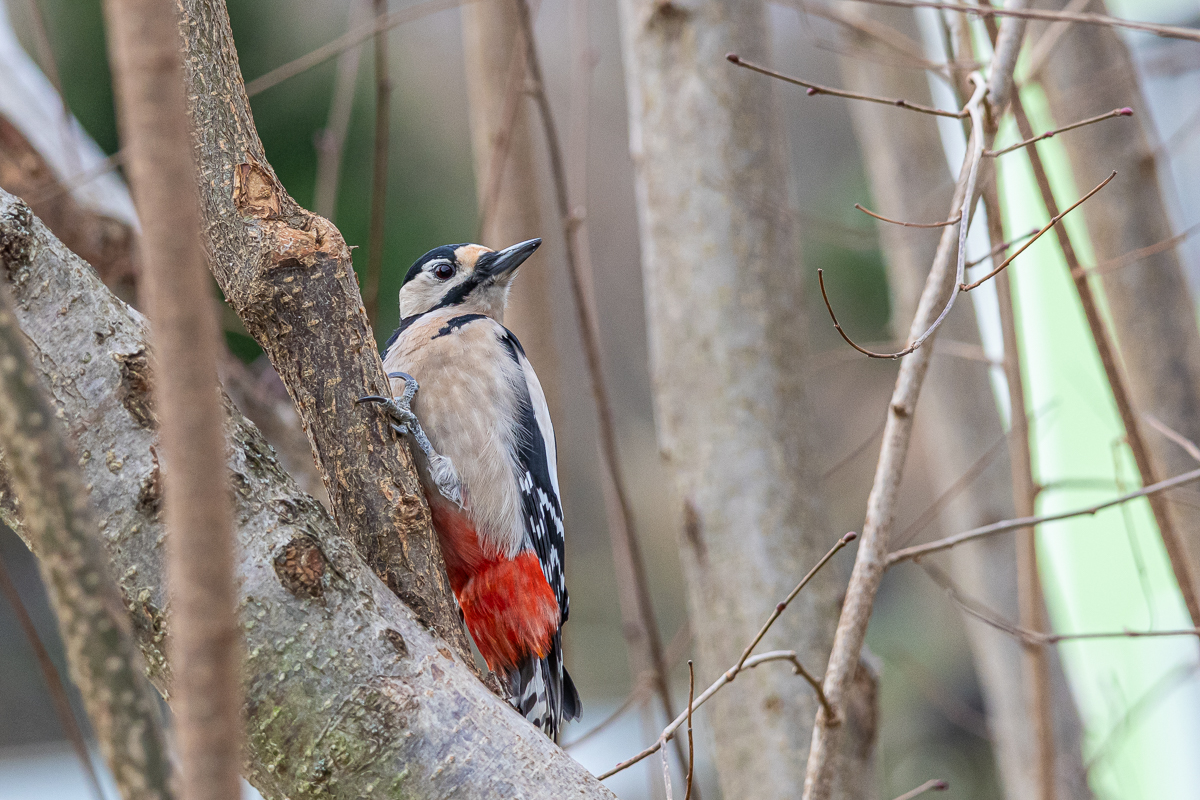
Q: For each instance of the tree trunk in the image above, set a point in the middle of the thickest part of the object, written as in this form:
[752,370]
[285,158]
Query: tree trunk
[288,275]
[909,179]
[1153,314]
[723,291]
[506,176]
[348,694]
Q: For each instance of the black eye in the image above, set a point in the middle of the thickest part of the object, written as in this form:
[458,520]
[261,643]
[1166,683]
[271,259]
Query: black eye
[443,271]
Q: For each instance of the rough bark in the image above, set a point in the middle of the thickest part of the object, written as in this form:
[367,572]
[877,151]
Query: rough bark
[43,474]
[95,219]
[288,275]
[1153,315]
[722,291]
[144,50]
[349,695]
[909,180]
[506,174]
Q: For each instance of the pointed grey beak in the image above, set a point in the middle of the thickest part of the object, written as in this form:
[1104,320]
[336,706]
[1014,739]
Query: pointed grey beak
[502,264]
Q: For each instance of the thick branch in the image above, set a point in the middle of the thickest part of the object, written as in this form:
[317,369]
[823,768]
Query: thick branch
[346,688]
[61,529]
[288,275]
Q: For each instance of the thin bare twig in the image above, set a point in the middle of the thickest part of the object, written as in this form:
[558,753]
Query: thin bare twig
[1166,31]
[1175,436]
[953,491]
[1106,349]
[942,224]
[726,677]
[1000,248]
[1032,637]
[379,170]
[620,510]
[921,550]
[1043,48]
[974,157]
[1132,257]
[498,158]
[331,140]
[782,605]
[927,786]
[54,682]
[344,42]
[747,661]
[1029,588]
[691,742]
[643,686]
[1116,112]
[856,452]
[966,287]
[816,88]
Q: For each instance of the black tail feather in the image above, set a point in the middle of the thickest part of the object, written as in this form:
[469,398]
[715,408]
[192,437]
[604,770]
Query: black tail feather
[543,692]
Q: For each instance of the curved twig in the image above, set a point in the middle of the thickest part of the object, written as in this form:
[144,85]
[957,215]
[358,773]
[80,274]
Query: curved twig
[943,224]
[974,110]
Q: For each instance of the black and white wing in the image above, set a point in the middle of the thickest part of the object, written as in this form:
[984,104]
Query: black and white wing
[547,686]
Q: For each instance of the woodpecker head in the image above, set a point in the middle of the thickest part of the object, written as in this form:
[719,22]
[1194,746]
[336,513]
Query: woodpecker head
[471,277]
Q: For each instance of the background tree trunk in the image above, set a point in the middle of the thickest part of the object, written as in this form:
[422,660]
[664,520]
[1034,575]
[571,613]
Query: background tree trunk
[506,176]
[1153,314]
[347,691]
[957,418]
[727,346]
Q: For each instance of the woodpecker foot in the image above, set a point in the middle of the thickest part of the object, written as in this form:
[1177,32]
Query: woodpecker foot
[404,422]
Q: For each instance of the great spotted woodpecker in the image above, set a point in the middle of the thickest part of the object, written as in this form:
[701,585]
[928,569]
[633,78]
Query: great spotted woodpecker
[488,467]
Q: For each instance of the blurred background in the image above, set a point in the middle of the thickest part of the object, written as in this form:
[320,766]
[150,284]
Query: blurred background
[934,723]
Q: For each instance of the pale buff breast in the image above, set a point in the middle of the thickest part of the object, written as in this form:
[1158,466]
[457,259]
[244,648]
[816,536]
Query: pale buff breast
[466,403]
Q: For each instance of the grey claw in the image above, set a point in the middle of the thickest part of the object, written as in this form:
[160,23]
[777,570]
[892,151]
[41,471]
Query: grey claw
[403,421]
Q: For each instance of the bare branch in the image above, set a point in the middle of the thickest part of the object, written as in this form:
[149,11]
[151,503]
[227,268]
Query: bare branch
[331,140]
[783,604]
[871,213]
[966,287]
[379,170]
[1175,436]
[971,171]
[726,678]
[691,767]
[1116,112]
[927,786]
[816,88]
[345,42]
[921,550]
[1166,31]
[871,560]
